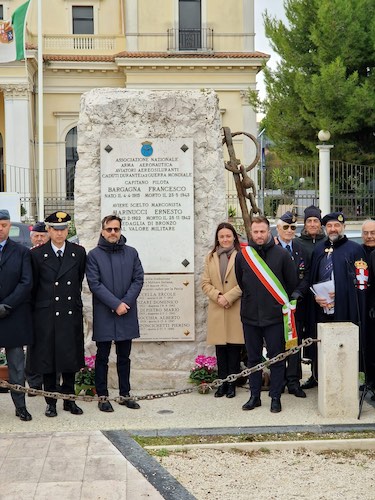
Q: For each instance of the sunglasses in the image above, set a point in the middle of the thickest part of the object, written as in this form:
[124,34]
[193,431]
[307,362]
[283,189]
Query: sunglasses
[289,226]
[110,229]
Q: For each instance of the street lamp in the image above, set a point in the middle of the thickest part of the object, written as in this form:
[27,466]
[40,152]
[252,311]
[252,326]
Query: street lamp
[324,171]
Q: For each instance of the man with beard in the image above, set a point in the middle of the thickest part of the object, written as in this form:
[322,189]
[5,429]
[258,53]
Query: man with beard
[115,277]
[344,262]
[266,275]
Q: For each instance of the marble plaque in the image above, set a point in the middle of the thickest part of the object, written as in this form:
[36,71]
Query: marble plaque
[149,184]
[166,307]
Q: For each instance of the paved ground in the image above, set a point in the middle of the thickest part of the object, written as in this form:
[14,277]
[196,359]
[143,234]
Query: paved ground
[93,455]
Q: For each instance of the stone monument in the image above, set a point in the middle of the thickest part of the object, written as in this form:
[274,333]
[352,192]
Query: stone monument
[155,159]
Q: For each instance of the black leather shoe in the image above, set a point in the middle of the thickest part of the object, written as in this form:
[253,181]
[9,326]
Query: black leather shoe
[23,414]
[130,403]
[231,392]
[72,407]
[50,411]
[298,392]
[105,406]
[310,383]
[221,391]
[253,402]
[275,405]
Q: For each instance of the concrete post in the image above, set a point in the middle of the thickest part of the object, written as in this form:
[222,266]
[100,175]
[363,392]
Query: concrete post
[338,369]
[324,178]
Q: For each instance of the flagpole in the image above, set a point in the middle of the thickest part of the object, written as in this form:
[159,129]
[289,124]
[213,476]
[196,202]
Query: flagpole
[40,115]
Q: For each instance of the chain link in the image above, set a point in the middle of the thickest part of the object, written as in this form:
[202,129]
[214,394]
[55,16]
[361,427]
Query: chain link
[202,387]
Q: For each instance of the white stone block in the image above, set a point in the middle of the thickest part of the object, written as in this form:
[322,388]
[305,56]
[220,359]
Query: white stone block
[338,369]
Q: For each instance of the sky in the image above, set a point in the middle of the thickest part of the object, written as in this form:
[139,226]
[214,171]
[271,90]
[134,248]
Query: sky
[276,9]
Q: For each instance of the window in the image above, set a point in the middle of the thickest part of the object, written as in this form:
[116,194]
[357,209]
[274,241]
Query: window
[83,20]
[190,35]
[1,11]
[71,158]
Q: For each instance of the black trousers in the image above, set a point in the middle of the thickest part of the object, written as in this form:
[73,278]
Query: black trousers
[274,337]
[293,372]
[67,386]
[228,359]
[123,349]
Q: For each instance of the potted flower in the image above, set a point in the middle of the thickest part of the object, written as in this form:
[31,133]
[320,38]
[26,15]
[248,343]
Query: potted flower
[85,378]
[204,372]
[4,375]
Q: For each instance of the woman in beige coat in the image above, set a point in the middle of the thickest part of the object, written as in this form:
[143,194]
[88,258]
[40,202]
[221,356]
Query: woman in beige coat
[224,327]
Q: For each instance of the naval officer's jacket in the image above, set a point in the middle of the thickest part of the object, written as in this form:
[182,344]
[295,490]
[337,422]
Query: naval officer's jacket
[57,309]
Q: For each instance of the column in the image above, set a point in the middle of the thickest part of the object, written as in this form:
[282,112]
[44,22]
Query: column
[18,140]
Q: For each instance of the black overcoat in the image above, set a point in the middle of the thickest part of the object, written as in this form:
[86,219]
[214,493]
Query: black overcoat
[258,307]
[114,274]
[15,291]
[57,309]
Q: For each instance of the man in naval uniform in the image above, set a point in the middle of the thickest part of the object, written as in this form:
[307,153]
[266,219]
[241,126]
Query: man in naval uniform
[58,271]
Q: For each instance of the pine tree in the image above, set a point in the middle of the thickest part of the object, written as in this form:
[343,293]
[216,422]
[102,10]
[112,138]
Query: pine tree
[325,79]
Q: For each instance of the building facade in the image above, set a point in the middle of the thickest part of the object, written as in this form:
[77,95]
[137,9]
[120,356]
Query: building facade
[134,44]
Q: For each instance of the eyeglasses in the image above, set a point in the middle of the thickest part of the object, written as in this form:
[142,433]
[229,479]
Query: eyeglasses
[289,226]
[110,229]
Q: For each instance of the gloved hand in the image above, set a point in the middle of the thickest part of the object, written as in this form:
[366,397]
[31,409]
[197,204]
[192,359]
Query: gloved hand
[4,310]
[371,313]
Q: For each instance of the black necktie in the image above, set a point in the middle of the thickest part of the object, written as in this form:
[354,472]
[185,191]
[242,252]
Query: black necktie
[289,249]
[59,256]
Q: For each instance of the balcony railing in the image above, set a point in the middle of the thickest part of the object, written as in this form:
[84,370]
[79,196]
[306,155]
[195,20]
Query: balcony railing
[80,42]
[190,39]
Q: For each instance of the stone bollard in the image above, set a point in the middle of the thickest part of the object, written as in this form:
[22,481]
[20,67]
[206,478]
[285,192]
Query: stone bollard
[338,369]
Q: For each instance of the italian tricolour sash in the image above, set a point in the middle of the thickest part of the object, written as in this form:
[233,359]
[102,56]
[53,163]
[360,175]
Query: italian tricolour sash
[270,281]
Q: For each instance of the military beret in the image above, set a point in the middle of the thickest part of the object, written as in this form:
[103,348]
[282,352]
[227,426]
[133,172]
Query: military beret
[4,214]
[338,216]
[58,220]
[289,218]
[312,211]
[39,227]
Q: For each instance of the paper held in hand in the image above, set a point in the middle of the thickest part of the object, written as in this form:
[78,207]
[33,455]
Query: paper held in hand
[323,290]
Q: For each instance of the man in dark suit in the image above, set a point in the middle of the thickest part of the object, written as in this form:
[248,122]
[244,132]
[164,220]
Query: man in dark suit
[15,309]
[58,271]
[286,229]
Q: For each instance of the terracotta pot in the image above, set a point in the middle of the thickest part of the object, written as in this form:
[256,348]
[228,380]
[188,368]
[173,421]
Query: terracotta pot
[4,373]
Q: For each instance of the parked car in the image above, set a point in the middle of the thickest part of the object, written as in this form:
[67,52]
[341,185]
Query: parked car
[21,233]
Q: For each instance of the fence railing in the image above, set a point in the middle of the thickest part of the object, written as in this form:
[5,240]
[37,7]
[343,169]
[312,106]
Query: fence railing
[297,186]
[292,186]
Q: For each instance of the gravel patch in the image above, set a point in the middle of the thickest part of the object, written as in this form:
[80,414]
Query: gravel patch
[225,475]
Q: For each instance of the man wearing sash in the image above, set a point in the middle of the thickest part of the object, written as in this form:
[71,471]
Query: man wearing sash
[266,275]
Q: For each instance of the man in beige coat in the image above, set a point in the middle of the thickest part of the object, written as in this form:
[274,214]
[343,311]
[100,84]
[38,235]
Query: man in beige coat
[224,327]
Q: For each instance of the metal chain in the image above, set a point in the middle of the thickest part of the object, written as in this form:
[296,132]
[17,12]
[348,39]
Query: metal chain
[204,386]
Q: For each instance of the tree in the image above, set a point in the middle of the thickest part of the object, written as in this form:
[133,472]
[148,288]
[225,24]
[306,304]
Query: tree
[325,79]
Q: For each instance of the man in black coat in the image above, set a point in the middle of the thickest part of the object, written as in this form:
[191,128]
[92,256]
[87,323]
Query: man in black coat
[15,309]
[368,237]
[115,277]
[261,313]
[344,262]
[286,229]
[58,270]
